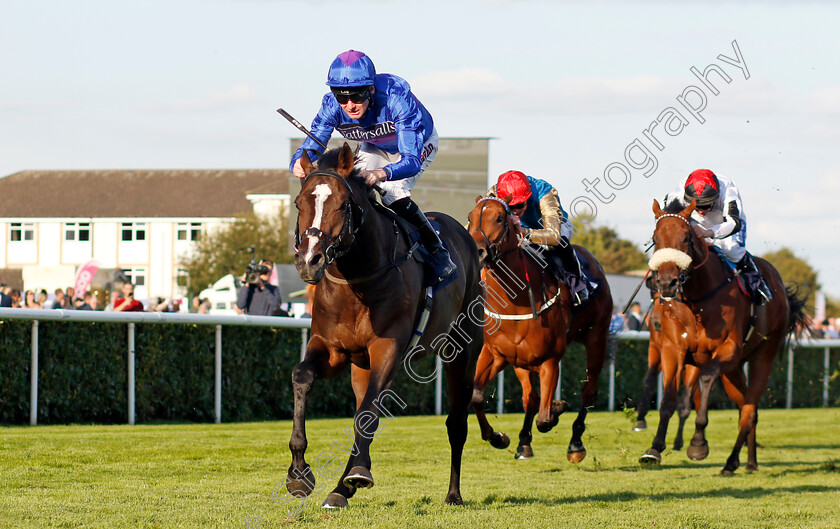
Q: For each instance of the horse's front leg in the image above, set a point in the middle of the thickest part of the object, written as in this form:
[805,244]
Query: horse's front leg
[531,405]
[648,384]
[692,375]
[486,369]
[316,363]
[384,359]
[549,415]
[699,447]
[359,379]
[670,375]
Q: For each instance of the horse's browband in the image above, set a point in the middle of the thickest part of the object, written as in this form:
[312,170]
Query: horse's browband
[500,201]
[673,215]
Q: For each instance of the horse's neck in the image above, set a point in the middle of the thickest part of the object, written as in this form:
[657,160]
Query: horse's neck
[507,276]
[372,247]
[708,274]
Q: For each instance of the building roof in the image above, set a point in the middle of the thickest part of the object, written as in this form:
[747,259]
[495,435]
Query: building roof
[135,193]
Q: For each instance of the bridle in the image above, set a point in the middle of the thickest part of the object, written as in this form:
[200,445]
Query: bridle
[685,274]
[494,252]
[335,247]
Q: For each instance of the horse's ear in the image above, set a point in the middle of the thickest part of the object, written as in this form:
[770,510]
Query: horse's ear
[687,211]
[345,160]
[478,199]
[656,209]
[306,163]
[507,199]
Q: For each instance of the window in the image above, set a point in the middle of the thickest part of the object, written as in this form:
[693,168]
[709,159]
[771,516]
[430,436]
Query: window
[74,231]
[189,231]
[137,276]
[133,231]
[22,232]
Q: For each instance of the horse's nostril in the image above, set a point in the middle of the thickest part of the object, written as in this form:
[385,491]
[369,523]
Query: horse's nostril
[315,260]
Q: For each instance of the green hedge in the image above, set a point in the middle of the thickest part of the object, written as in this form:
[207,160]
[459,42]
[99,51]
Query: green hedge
[83,377]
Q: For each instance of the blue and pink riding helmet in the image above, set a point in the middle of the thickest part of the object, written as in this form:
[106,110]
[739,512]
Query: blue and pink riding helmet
[351,69]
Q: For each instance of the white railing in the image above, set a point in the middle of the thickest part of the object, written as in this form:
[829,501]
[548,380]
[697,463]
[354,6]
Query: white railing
[132,318]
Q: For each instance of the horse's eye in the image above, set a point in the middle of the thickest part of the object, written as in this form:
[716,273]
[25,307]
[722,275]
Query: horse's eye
[499,219]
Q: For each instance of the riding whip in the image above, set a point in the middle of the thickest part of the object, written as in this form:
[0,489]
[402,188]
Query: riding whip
[311,136]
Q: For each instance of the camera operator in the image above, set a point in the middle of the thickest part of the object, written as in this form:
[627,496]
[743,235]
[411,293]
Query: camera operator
[257,296]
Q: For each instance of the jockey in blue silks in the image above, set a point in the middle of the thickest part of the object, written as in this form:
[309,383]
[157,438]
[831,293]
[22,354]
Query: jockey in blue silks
[397,139]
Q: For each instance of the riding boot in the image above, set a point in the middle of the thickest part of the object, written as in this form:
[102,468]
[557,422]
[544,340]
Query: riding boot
[441,260]
[754,279]
[577,283]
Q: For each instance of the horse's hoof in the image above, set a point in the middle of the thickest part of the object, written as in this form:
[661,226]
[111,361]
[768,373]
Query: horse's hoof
[576,456]
[335,501]
[752,467]
[300,481]
[726,472]
[678,444]
[698,453]
[358,477]
[651,457]
[499,440]
[559,406]
[641,426]
[454,498]
[524,452]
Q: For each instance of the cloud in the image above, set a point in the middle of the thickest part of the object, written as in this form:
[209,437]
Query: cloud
[236,96]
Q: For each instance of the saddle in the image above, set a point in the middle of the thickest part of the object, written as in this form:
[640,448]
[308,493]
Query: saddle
[592,283]
[416,251]
[749,286]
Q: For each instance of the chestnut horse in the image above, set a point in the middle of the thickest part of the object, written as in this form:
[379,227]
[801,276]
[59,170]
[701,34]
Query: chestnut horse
[706,322]
[365,314]
[691,377]
[533,339]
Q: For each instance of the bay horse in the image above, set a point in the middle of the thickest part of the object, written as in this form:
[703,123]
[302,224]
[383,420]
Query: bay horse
[708,322]
[366,312]
[533,339]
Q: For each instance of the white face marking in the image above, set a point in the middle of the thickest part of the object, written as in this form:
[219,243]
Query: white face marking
[322,191]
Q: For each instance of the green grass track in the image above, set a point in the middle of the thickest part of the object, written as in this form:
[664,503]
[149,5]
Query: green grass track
[203,475]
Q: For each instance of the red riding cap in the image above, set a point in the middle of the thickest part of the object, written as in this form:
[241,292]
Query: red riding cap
[515,184]
[702,185]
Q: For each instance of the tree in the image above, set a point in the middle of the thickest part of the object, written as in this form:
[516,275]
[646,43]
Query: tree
[795,272]
[616,255]
[225,251]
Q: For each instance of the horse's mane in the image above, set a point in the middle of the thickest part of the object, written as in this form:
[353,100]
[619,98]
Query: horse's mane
[675,206]
[329,162]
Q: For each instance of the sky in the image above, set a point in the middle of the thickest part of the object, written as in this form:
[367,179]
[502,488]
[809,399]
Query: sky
[563,88]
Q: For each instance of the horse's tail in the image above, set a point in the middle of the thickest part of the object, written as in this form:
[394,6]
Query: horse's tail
[798,320]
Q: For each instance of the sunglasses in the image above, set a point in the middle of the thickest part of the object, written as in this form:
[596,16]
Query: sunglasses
[707,207]
[517,207]
[358,97]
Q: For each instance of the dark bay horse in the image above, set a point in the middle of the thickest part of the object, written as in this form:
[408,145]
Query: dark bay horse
[533,344]
[366,311]
[706,322]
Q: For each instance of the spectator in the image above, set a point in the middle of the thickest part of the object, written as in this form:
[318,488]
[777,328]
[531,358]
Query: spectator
[5,298]
[260,298]
[617,323]
[127,303]
[85,302]
[113,299]
[60,301]
[70,293]
[203,306]
[832,331]
[635,321]
[93,302]
[42,298]
[16,301]
[29,301]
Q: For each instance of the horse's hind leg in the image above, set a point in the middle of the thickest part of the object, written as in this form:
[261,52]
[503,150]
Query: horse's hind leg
[459,382]
[596,354]
[670,376]
[692,375]
[531,404]
[549,414]
[486,369]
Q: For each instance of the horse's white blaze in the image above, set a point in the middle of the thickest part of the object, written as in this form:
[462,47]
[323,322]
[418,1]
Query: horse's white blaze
[322,191]
[669,255]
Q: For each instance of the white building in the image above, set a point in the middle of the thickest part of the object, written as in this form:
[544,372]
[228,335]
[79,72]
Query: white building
[141,221]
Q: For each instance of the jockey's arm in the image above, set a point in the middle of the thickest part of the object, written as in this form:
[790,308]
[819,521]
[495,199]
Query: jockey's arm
[731,222]
[553,220]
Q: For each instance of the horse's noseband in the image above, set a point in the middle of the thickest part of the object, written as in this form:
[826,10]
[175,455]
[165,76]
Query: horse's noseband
[684,274]
[338,246]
